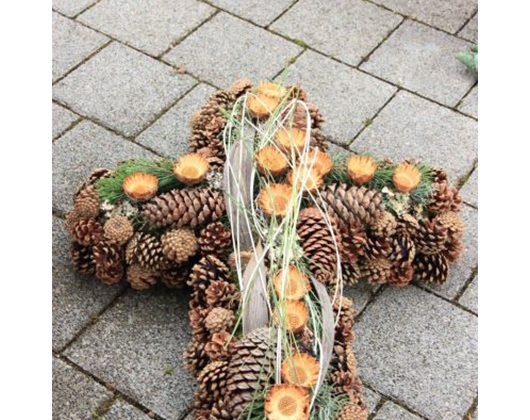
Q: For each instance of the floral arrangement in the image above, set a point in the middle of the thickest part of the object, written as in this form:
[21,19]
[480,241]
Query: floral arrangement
[266,228]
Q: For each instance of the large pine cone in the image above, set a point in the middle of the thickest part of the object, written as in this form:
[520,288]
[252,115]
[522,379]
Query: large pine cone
[109,262]
[353,203]
[184,207]
[318,243]
[82,258]
[88,232]
[215,239]
[86,202]
[431,268]
[430,237]
[212,382]
[206,271]
[141,278]
[146,250]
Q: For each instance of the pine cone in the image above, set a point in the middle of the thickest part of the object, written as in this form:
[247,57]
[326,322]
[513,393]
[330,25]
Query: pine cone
[353,203]
[343,333]
[430,237]
[351,273]
[141,278]
[444,198]
[318,139]
[146,250]
[240,87]
[88,232]
[316,117]
[220,346]
[118,230]
[187,207]
[207,270]
[176,276]
[385,225]
[212,382]
[354,242]
[296,92]
[82,258]
[354,410]
[377,271]
[377,247]
[198,324]
[453,250]
[195,358]
[402,249]
[407,224]
[109,262]
[86,202]
[347,310]
[318,243]
[214,239]
[431,268]
[223,294]
[71,220]
[454,224]
[343,359]
[179,245]
[343,382]
[219,319]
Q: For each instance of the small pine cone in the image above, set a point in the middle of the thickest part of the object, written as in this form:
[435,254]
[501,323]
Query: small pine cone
[354,410]
[431,268]
[145,249]
[444,198]
[377,271]
[82,258]
[318,139]
[439,176]
[215,239]
[296,92]
[385,225]
[354,241]
[71,220]
[118,230]
[198,324]
[109,262]
[377,247]
[88,232]
[344,333]
[407,224]
[223,294]
[203,415]
[454,224]
[347,310]
[316,117]
[240,87]
[453,250]
[351,273]
[86,202]
[195,358]
[186,207]
[402,274]
[179,245]
[219,319]
[211,385]
[220,346]
[176,276]
[207,270]
[430,237]
[343,381]
[141,278]
[403,249]
[343,359]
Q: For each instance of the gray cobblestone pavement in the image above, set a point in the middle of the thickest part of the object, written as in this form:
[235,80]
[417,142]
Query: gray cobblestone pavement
[384,75]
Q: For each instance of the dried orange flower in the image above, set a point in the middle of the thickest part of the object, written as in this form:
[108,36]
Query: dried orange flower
[271,160]
[291,138]
[406,177]
[361,169]
[140,186]
[265,99]
[274,199]
[296,284]
[301,369]
[191,169]
[296,315]
[287,402]
[308,179]
[319,160]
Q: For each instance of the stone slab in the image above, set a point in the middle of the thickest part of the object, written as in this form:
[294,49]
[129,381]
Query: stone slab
[75,396]
[421,59]
[82,150]
[469,104]
[243,50]
[122,88]
[470,189]
[135,343]
[420,350]
[60,242]
[345,96]
[371,398]
[449,15]
[346,29]
[257,11]
[76,300]
[121,410]
[71,7]
[62,119]
[149,25]
[412,127]
[470,297]
[360,293]
[391,411]
[461,271]
[72,43]
[470,31]
[169,135]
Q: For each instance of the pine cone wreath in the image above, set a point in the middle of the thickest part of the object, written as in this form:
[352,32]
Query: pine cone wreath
[223,294]
[82,258]
[141,278]
[146,250]
[219,319]
[88,232]
[212,383]
[185,207]
[430,237]
[109,262]
[118,230]
[179,245]
[215,239]
[431,268]
[86,202]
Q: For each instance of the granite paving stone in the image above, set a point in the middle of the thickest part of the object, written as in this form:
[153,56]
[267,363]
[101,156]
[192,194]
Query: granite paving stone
[62,119]
[412,127]
[169,135]
[121,410]
[71,7]
[60,242]
[360,293]
[76,299]
[469,191]
[461,271]
[149,25]
[391,411]
[469,104]
[257,11]
[371,398]
[421,59]
[345,96]
[425,357]
[345,29]
[122,88]
[470,31]
[72,43]
[243,50]
[80,151]
[137,345]
[449,15]
[75,396]
[470,297]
